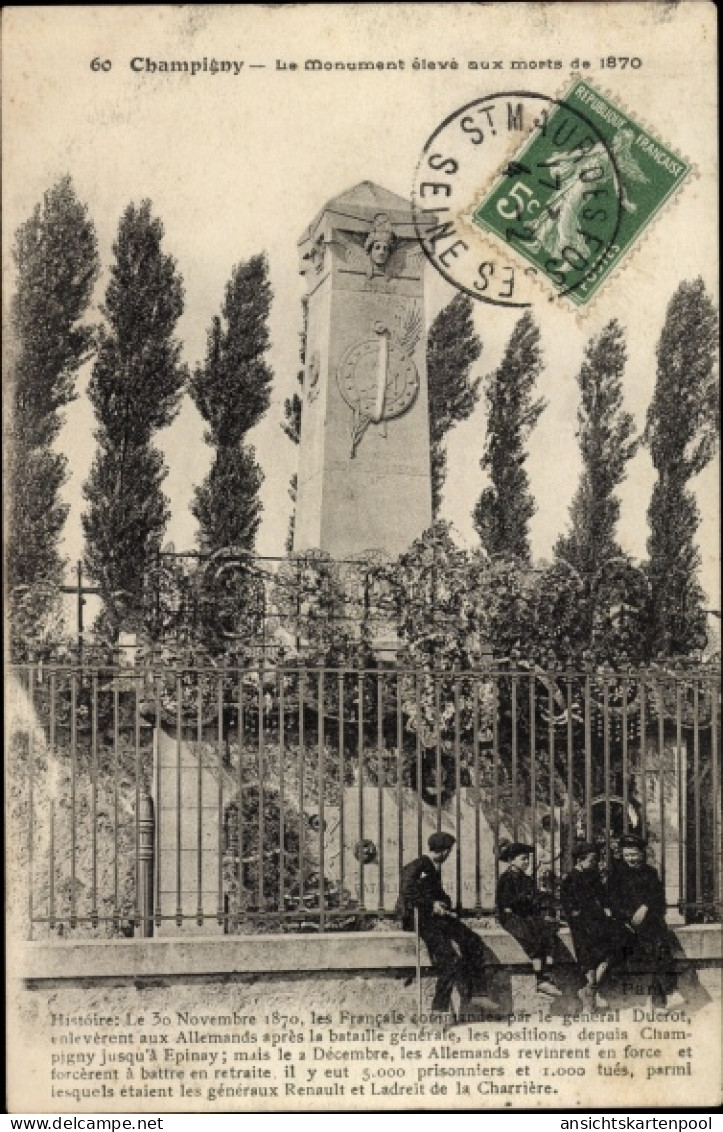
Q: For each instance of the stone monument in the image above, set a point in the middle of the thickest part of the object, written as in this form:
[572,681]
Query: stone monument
[364,463]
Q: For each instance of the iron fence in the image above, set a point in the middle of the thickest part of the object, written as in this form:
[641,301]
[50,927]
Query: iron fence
[158,800]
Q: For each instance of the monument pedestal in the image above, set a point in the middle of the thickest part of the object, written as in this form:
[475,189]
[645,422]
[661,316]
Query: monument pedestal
[187,810]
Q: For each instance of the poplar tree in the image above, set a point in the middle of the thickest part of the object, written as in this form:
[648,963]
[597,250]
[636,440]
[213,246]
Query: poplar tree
[55,253]
[504,509]
[291,427]
[452,349]
[135,390]
[681,433]
[606,435]
[232,392]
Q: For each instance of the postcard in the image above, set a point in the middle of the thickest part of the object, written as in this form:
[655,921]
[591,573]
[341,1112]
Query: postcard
[361,557]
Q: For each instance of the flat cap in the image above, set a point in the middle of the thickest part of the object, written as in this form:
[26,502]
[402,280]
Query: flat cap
[511,849]
[583,849]
[440,841]
[632,841]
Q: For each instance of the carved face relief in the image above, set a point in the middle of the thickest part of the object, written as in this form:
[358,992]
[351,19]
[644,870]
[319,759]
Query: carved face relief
[379,244]
[380,251]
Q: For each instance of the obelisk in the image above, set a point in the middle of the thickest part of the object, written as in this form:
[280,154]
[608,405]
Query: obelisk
[364,459]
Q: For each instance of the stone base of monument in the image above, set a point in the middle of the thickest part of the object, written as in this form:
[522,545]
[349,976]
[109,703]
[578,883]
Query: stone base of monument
[188,853]
[377,830]
[367,835]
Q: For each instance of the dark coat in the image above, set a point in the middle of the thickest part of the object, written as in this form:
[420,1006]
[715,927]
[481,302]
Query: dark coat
[516,893]
[650,945]
[521,908]
[420,887]
[596,935]
[455,951]
[629,888]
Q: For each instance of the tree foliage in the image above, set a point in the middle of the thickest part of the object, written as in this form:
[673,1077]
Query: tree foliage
[504,509]
[232,391]
[606,437]
[291,424]
[56,257]
[135,390]
[681,432]
[453,347]
[227,505]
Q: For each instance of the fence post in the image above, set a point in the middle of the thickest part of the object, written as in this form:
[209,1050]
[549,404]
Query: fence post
[146,827]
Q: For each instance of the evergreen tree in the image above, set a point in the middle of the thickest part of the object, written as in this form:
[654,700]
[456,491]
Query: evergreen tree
[291,427]
[291,424]
[681,431]
[226,505]
[605,434]
[504,509]
[56,256]
[452,349]
[232,391]
[135,390]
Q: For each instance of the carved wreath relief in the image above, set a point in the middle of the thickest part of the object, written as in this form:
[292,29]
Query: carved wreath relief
[377,377]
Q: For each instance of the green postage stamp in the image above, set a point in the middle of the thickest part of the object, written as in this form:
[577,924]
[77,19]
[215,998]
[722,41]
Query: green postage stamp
[581,191]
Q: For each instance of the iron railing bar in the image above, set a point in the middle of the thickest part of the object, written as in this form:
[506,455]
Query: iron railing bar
[643,757]
[477,801]
[220,812]
[302,749]
[73,787]
[418,755]
[496,778]
[30,717]
[116,799]
[438,750]
[322,790]
[458,795]
[279,688]
[380,788]
[661,781]
[682,773]
[715,784]
[400,783]
[533,760]
[696,798]
[606,766]
[157,831]
[495,668]
[514,768]
[261,760]
[570,779]
[199,809]
[342,777]
[137,910]
[239,811]
[94,797]
[625,755]
[551,771]
[179,692]
[360,799]
[588,757]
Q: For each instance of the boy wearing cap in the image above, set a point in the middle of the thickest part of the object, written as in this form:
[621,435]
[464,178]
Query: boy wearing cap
[597,937]
[638,900]
[454,949]
[520,909]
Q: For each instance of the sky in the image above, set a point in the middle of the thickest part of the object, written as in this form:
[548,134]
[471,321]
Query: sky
[239,163]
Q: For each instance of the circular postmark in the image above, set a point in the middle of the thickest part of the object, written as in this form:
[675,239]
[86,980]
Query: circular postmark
[515,190]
